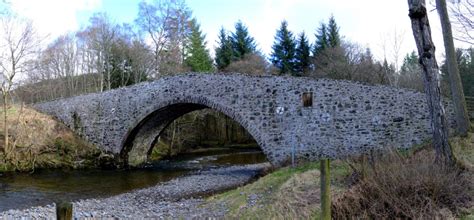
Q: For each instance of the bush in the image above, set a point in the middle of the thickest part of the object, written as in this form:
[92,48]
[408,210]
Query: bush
[396,186]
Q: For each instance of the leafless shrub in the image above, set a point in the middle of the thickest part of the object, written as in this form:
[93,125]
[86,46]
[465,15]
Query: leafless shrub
[254,64]
[396,186]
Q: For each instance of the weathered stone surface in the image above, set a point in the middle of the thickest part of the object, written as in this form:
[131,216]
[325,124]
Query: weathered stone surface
[346,118]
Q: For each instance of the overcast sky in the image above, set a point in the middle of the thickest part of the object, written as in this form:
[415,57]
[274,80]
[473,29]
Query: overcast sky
[369,23]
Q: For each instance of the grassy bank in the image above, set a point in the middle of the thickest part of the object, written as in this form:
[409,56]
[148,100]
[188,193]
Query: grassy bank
[287,193]
[397,185]
[39,141]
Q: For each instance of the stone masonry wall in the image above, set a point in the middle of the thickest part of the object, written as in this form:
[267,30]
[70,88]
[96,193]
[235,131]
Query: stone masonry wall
[346,118]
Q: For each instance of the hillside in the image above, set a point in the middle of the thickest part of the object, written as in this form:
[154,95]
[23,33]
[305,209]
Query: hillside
[41,142]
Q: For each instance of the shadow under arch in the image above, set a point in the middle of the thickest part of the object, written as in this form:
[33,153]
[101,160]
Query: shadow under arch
[142,136]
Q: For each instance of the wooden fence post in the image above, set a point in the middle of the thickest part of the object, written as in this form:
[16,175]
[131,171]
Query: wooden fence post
[325,190]
[64,211]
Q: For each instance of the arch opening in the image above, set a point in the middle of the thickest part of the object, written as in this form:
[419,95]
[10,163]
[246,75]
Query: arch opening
[150,138]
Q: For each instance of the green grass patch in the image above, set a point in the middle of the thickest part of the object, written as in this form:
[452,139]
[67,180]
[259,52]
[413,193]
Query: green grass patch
[286,193]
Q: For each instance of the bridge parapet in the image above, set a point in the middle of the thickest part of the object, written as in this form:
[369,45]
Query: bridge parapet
[345,118]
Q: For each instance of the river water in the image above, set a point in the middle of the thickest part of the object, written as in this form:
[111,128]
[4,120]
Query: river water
[19,191]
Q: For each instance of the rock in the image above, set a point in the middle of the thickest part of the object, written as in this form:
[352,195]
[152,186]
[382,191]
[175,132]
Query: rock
[172,199]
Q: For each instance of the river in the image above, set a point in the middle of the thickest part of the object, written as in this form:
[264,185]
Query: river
[21,190]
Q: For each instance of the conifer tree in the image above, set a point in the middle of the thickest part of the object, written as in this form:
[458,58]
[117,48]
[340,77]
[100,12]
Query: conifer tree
[242,42]
[224,52]
[333,36]
[197,58]
[302,55]
[284,49]
[321,40]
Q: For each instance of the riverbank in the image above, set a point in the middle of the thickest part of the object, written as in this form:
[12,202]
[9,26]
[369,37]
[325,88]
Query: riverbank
[37,141]
[181,197]
[293,193]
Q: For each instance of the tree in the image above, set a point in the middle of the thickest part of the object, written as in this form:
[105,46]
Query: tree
[333,37]
[167,24]
[302,55]
[284,48]
[224,51]
[466,70]
[60,60]
[129,60]
[463,14]
[457,94]
[253,64]
[198,58]
[18,42]
[411,73]
[99,37]
[389,71]
[322,41]
[242,42]
[426,50]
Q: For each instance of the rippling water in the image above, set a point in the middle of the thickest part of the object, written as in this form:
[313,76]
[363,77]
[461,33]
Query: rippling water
[18,191]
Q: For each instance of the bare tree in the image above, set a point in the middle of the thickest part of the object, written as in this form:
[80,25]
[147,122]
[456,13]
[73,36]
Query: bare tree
[99,38]
[457,94]
[17,44]
[463,13]
[253,64]
[426,51]
[167,24]
[60,60]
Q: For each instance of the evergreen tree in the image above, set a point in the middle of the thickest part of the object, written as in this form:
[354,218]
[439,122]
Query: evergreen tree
[242,42]
[302,55]
[197,58]
[321,40]
[466,70]
[224,52]
[410,64]
[465,61]
[333,37]
[284,48]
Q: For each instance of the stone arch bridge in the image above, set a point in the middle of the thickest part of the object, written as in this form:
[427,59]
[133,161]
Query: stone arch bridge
[341,118]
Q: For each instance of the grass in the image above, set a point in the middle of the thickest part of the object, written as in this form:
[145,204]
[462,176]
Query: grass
[41,142]
[287,193]
[406,184]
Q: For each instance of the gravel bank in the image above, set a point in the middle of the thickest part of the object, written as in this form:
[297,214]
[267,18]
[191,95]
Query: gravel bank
[176,198]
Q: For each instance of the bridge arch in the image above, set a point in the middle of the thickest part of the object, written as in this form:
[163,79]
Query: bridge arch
[142,135]
[346,118]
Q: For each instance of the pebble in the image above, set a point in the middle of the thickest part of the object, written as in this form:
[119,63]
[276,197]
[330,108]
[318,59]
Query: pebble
[177,198]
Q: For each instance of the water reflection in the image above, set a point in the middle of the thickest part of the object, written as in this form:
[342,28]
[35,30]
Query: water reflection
[20,191]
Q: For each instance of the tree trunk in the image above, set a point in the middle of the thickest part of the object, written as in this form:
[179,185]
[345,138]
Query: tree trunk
[462,119]
[426,51]
[5,125]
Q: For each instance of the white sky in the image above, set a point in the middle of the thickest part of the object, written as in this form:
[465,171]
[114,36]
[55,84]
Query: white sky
[369,23]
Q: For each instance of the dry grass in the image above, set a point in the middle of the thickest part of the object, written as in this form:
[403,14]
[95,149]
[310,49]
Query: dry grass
[397,186]
[287,193]
[40,142]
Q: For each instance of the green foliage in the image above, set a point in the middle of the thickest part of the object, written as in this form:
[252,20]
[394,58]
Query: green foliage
[224,51]
[302,55]
[465,61]
[198,58]
[242,42]
[334,39]
[466,70]
[122,72]
[327,36]
[322,41]
[284,49]
[410,64]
